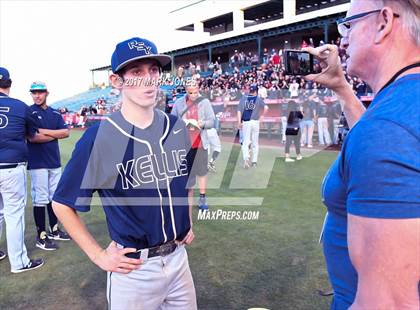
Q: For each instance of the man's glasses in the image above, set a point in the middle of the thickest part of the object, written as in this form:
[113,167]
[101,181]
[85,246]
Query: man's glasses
[344,24]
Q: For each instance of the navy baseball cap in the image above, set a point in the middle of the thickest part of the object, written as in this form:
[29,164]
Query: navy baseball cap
[134,49]
[4,74]
[253,88]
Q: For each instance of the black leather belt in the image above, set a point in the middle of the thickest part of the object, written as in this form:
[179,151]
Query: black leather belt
[160,250]
[8,166]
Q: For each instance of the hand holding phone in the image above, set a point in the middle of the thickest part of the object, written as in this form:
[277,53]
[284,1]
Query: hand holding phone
[332,75]
[298,62]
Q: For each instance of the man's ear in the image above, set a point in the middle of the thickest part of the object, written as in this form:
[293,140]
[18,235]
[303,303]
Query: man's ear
[385,24]
[116,81]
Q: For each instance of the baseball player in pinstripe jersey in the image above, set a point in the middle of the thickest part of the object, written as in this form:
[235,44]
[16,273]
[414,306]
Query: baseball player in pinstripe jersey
[251,109]
[16,124]
[136,160]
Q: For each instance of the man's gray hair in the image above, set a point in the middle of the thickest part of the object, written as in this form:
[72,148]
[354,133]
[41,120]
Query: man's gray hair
[409,10]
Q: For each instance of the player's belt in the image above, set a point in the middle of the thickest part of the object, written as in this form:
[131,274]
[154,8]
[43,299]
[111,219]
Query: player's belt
[161,250]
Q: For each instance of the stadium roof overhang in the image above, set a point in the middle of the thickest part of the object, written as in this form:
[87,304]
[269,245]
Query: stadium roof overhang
[106,68]
[271,32]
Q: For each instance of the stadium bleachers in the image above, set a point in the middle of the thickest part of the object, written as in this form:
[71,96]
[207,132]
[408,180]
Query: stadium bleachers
[87,98]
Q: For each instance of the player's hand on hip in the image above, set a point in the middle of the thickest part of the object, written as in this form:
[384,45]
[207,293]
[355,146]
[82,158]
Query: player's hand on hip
[114,259]
[188,239]
[332,74]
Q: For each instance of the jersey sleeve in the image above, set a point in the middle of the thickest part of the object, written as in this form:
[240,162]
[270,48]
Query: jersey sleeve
[382,170]
[31,123]
[61,124]
[70,190]
[241,105]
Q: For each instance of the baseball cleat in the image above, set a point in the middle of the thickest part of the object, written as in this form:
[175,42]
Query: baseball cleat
[254,165]
[33,264]
[45,243]
[203,207]
[211,166]
[289,160]
[202,204]
[2,255]
[59,235]
[246,164]
[299,157]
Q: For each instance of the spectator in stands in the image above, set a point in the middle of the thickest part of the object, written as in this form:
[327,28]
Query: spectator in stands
[275,59]
[254,60]
[266,56]
[210,66]
[180,72]
[161,100]
[311,42]
[294,89]
[93,110]
[262,91]
[293,132]
[81,117]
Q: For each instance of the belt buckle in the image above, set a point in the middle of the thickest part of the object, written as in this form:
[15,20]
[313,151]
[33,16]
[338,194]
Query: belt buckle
[165,249]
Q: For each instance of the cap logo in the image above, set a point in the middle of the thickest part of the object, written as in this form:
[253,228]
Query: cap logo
[140,46]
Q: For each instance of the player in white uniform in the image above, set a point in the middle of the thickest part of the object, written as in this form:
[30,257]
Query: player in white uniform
[251,109]
[16,124]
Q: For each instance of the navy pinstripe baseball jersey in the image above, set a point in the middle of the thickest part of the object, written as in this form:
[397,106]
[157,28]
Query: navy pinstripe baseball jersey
[45,155]
[251,107]
[16,123]
[140,176]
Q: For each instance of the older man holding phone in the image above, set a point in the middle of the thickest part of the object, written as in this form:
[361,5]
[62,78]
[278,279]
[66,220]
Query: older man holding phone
[371,238]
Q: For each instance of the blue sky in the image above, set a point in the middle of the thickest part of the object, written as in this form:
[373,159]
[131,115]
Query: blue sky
[59,41]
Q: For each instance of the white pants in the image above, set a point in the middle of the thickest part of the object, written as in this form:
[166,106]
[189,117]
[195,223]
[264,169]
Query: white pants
[43,185]
[307,127]
[250,132]
[12,211]
[162,282]
[336,122]
[323,133]
[283,128]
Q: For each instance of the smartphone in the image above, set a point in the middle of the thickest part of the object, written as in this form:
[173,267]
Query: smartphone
[298,62]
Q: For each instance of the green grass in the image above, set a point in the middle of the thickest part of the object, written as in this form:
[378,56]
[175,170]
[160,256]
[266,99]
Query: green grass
[274,262]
